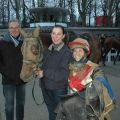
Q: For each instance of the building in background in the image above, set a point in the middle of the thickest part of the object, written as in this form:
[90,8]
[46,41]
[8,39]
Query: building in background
[48,16]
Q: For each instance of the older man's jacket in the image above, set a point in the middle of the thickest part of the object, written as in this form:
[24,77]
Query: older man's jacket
[10,61]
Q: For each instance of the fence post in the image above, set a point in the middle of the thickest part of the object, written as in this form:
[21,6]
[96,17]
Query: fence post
[109,56]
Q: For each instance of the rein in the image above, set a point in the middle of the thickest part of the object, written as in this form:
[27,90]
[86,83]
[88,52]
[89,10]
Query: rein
[33,92]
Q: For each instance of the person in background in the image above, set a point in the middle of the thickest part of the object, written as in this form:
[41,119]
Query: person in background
[54,71]
[10,68]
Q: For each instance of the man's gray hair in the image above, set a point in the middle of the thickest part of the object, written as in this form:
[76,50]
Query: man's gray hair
[14,20]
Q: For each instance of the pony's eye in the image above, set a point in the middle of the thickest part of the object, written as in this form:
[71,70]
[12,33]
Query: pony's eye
[35,49]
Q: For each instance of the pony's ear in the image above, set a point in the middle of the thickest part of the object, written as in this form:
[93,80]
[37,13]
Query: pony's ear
[23,33]
[36,32]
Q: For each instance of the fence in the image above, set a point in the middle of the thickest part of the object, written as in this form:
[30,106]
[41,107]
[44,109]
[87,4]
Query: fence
[111,55]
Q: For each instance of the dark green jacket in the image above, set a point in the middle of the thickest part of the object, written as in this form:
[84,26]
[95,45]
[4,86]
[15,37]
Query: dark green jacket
[10,61]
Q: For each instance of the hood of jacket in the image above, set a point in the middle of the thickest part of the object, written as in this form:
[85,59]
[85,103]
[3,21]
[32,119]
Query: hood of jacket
[8,38]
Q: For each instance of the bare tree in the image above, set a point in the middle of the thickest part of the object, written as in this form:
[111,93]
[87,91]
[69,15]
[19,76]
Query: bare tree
[117,13]
[71,9]
[83,7]
[90,9]
[8,9]
[41,3]
[16,5]
[33,3]
[4,12]
[57,3]
[24,14]
[61,3]
[95,10]
[108,7]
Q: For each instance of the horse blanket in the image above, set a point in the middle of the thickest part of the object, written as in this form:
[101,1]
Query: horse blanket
[94,103]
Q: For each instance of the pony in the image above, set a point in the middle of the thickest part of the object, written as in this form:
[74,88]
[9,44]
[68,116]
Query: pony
[95,46]
[107,44]
[31,49]
[94,104]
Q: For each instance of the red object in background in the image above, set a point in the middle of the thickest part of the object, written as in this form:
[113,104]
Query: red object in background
[103,20]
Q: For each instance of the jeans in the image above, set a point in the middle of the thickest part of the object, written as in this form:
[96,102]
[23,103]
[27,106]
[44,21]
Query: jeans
[52,98]
[11,92]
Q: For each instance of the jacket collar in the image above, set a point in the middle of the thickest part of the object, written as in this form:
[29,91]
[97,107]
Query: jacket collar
[8,38]
[58,48]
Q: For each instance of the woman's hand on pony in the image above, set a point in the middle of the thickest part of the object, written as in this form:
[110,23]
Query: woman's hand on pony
[38,72]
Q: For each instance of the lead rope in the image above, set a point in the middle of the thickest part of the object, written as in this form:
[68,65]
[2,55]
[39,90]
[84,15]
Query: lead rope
[38,79]
[33,90]
[100,115]
[87,103]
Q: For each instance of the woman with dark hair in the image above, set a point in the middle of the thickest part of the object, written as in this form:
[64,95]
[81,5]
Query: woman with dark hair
[54,71]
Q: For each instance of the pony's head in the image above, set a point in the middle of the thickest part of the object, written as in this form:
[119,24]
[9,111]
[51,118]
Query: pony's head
[31,51]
